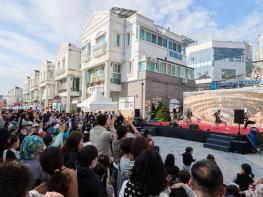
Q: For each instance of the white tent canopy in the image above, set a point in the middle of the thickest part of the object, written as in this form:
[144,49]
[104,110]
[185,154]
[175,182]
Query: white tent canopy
[98,102]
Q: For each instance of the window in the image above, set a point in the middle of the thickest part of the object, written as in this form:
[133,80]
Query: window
[116,68]
[142,33]
[128,39]
[101,38]
[169,69]
[63,63]
[170,45]
[165,42]
[173,71]
[154,38]
[179,48]
[50,74]
[148,36]
[75,84]
[157,69]
[58,65]
[118,40]
[163,67]
[160,40]
[174,46]
[182,72]
[228,73]
[130,67]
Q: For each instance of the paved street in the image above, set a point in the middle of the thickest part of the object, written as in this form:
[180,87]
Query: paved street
[228,162]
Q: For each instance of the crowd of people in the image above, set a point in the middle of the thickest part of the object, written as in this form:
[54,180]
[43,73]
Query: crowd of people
[56,154]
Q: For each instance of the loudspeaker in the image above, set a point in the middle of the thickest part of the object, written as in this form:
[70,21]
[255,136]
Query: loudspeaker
[239,116]
[137,112]
[193,126]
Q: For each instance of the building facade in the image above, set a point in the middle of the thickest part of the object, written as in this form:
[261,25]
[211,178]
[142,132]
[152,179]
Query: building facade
[26,93]
[220,60]
[46,84]
[258,62]
[133,61]
[15,98]
[67,77]
[34,89]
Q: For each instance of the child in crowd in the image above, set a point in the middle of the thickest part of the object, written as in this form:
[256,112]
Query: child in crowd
[183,177]
[188,158]
[171,169]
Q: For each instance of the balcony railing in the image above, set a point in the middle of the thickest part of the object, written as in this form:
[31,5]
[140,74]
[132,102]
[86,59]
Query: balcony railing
[85,56]
[60,71]
[99,49]
[62,90]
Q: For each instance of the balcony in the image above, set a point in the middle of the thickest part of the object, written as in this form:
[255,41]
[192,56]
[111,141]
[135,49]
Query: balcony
[60,71]
[99,49]
[85,56]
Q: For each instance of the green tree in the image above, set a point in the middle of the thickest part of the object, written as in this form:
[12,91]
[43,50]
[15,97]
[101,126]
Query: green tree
[163,113]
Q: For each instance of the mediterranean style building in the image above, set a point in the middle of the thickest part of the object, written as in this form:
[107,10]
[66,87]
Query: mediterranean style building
[15,98]
[67,76]
[134,61]
[46,84]
[34,89]
[26,93]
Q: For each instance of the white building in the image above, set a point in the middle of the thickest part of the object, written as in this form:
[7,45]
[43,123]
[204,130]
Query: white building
[15,98]
[259,50]
[133,61]
[46,84]
[67,76]
[258,62]
[219,60]
[26,93]
[34,89]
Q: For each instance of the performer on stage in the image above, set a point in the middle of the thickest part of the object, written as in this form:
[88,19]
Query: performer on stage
[176,114]
[219,118]
[246,119]
[189,115]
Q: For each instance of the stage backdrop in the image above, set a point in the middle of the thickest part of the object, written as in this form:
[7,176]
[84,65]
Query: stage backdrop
[205,103]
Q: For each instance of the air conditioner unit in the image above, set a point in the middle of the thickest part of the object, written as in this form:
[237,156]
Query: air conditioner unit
[184,81]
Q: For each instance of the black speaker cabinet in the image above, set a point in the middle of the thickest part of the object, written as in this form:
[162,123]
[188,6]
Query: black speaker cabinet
[193,126]
[239,116]
[137,112]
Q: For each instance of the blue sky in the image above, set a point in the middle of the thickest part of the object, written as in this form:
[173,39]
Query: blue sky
[32,30]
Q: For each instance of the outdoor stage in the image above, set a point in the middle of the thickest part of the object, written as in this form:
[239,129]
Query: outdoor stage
[209,127]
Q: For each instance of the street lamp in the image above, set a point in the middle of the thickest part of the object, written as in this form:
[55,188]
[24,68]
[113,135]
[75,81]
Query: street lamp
[142,99]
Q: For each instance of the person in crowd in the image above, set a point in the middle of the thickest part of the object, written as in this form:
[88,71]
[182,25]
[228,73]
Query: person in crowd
[102,170]
[59,178]
[72,146]
[207,179]
[211,157]
[5,138]
[1,116]
[188,158]
[12,152]
[171,169]
[30,151]
[148,177]
[122,132]
[139,144]
[101,138]
[245,177]
[89,183]
[14,179]
[232,190]
[126,163]
[86,138]
[183,178]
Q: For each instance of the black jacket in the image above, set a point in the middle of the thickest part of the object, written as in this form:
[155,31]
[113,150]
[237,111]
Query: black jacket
[243,181]
[187,159]
[89,183]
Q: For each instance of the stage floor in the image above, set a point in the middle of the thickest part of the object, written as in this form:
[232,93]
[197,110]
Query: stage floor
[208,126]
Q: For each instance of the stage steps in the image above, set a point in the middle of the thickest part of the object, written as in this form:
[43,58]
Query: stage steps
[218,142]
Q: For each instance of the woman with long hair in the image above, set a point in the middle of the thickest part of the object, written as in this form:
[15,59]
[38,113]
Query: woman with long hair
[59,178]
[245,177]
[148,177]
[73,145]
